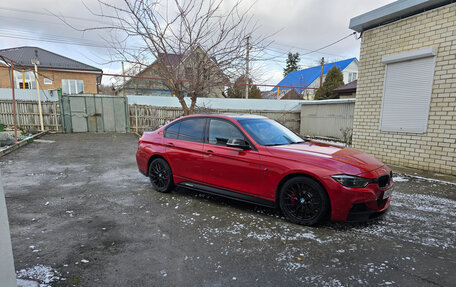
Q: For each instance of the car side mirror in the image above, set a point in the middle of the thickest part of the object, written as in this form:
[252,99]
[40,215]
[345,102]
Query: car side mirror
[238,143]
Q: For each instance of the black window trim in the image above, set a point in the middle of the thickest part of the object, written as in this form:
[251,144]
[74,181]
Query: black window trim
[178,132]
[205,139]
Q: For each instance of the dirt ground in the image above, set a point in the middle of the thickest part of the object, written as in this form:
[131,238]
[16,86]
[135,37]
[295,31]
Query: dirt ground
[82,215]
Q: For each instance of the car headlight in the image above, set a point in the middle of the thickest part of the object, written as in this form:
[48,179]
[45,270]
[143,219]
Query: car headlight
[352,180]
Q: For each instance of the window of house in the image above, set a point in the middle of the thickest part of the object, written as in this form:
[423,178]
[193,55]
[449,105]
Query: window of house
[72,87]
[352,77]
[47,81]
[24,80]
[407,90]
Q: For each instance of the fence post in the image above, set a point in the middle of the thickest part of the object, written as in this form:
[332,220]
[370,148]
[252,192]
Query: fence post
[55,117]
[136,118]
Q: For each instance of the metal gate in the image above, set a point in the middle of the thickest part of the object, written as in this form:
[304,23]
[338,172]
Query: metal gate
[94,113]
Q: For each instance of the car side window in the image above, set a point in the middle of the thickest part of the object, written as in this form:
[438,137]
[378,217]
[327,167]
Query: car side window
[221,131]
[172,131]
[192,130]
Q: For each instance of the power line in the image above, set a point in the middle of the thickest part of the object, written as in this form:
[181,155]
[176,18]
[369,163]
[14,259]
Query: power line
[50,14]
[329,45]
[304,49]
[54,39]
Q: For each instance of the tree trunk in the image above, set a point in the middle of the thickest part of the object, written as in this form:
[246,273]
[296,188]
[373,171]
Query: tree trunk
[180,97]
[193,104]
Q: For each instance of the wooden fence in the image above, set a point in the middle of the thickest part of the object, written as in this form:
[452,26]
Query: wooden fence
[327,118]
[28,114]
[321,119]
[143,118]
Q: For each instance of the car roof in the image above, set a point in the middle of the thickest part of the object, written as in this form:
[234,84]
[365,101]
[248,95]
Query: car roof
[231,115]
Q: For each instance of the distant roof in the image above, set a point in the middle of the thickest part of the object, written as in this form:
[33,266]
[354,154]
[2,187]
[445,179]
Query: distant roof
[393,12]
[172,59]
[175,59]
[272,95]
[347,88]
[24,55]
[304,78]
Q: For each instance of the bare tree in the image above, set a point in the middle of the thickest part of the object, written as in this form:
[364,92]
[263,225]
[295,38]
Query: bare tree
[198,46]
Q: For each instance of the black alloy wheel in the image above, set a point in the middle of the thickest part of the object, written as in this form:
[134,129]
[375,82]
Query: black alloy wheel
[304,201]
[160,175]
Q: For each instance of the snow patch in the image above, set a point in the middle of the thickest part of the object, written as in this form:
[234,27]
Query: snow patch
[44,274]
[431,179]
[400,179]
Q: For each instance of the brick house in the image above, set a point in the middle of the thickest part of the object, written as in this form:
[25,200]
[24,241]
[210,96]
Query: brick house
[405,109]
[54,71]
[185,64]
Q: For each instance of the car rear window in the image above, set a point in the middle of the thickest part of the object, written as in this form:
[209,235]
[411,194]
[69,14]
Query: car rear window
[192,130]
[172,131]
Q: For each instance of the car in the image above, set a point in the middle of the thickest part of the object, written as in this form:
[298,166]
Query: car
[258,160]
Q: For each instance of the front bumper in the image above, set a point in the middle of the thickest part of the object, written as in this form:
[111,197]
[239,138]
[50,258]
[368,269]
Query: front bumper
[358,204]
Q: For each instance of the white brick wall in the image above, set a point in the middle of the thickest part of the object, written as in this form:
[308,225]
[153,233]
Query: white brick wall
[434,150]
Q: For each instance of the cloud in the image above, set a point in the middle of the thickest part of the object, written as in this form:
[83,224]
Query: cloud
[299,26]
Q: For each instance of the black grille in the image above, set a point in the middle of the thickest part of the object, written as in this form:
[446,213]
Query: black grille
[383,181]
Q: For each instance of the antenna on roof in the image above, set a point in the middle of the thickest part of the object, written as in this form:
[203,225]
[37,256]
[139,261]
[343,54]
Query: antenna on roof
[35,60]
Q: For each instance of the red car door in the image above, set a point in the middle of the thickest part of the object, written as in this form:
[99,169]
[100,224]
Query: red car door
[184,148]
[228,167]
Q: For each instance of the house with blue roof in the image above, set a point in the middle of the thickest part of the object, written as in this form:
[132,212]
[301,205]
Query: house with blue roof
[310,77]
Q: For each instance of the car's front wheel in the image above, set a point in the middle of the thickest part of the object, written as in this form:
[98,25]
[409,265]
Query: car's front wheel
[303,201]
[160,175]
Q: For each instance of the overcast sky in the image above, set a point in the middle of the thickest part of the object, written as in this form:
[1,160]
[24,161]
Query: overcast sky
[301,26]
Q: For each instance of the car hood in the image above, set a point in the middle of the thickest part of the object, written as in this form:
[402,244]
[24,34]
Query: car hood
[338,156]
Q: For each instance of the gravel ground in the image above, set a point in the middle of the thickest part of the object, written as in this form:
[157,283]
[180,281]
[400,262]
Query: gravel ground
[82,215]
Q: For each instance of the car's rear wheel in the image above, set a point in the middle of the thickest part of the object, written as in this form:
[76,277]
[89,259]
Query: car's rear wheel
[303,201]
[160,175]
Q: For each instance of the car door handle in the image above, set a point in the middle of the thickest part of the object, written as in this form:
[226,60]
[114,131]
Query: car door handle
[210,152]
[169,144]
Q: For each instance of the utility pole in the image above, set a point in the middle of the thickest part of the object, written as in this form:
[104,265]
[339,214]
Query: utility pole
[247,69]
[36,62]
[123,74]
[322,67]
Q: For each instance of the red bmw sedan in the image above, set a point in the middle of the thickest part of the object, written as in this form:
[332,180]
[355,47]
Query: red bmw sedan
[258,160]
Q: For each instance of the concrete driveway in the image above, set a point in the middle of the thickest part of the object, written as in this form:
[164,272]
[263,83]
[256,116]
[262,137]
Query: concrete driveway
[82,215]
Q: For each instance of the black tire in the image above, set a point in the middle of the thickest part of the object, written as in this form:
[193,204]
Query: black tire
[303,201]
[161,176]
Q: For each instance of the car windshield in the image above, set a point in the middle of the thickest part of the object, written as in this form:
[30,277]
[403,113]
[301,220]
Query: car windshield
[269,132]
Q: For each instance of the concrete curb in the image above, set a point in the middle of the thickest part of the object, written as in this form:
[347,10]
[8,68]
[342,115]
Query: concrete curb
[21,144]
[422,173]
